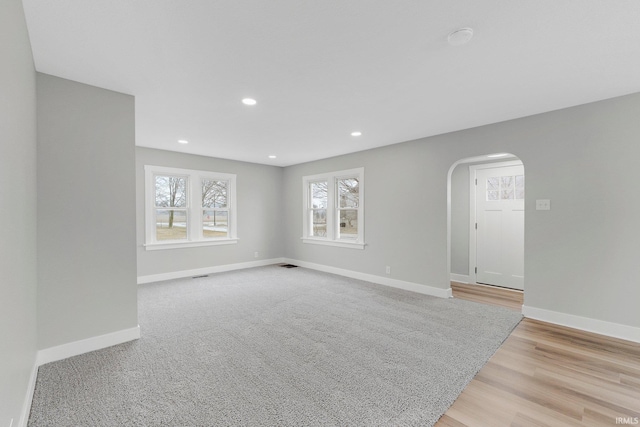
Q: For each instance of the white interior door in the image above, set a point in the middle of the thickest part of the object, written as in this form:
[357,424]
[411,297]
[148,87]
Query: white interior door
[500,225]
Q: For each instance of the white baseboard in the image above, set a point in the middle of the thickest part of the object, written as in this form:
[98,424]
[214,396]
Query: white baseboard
[75,348]
[386,281]
[207,270]
[460,278]
[601,327]
[26,406]
[401,284]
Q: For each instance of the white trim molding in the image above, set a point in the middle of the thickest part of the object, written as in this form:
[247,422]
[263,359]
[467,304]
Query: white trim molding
[63,351]
[345,244]
[615,330]
[207,270]
[460,278]
[174,245]
[75,348]
[28,399]
[386,281]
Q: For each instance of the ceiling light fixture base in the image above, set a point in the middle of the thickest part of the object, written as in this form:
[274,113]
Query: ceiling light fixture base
[460,36]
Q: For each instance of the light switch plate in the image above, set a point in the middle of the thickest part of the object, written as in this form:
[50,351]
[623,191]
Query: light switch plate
[543,205]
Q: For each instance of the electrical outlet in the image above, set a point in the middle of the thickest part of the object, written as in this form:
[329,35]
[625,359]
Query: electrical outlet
[543,205]
[388,269]
[256,254]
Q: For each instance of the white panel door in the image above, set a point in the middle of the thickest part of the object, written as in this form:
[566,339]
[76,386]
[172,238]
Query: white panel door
[500,226]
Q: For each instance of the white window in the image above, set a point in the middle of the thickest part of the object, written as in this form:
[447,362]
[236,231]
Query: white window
[334,209]
[188,208]
[505,188]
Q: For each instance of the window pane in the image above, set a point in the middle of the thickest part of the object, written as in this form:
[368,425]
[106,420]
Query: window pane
[214,193]
[319,197]
[519,187]
[506,182]
[215,223]
[171,225]
[507,194]
[171,192]
[348,193]
[492,183]
[319,221]
[348,224]
[492,195]
[519,181]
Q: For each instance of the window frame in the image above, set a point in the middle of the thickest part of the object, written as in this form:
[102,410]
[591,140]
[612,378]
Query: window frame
[333,209]
[194,209]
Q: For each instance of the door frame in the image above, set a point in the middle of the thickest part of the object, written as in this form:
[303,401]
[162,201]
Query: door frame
[473,219]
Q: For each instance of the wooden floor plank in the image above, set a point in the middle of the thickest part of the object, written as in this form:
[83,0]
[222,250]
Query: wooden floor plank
[503,297]
[499,407]
[548,375]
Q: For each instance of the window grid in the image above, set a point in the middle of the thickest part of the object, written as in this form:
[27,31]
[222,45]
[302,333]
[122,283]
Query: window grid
[348,195]
[171,207]
[509,187]
[188,208]
[333,208]
[317,205]
[215,210]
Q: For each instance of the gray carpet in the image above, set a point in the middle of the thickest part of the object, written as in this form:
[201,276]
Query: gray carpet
[273,346]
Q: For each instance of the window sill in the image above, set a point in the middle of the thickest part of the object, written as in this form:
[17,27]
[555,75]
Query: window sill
[179,245]
[337,243]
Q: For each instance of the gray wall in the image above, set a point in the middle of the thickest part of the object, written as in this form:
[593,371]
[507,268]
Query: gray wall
[86,212]
[17,211]
[581,257]
[402,219]
[260,210]
[460,220]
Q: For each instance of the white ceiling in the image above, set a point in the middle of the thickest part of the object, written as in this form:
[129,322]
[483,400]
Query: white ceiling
[322,69]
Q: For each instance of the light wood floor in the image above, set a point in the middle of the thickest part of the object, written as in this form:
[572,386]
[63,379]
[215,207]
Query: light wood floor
[509,298]
[548,375]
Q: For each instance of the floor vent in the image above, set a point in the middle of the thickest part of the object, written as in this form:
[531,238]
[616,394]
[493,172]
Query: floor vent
[200,277]
[288,266]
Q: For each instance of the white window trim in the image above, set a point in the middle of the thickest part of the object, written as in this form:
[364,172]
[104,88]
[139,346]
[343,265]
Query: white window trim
[194,210]
[332,210]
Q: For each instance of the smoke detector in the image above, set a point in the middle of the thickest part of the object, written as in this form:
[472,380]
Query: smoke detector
[460,37]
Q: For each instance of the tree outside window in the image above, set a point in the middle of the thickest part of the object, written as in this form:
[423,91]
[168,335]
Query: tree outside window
[171,204]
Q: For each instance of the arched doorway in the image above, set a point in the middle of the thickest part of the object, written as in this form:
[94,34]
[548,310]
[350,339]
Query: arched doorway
[485,224]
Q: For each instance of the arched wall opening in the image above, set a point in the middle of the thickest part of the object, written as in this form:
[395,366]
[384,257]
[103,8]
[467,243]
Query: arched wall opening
[459,171]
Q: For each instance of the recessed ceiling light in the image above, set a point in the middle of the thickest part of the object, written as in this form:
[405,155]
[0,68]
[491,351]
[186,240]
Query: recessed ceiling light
[356,133]
[493,156]
[183,141]
[460,37]
[272,156]
[249,101]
